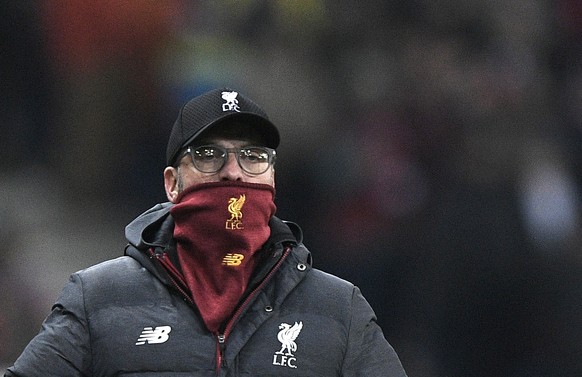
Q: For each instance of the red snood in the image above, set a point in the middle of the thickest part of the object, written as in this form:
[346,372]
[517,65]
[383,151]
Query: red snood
[219,228]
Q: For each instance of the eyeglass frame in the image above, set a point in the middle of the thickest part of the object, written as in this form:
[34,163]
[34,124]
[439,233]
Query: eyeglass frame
[271,153]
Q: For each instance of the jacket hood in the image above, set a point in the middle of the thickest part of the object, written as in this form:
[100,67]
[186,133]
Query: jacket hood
[151,228]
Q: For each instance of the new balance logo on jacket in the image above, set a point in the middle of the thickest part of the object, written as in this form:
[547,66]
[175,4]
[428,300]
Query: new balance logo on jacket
[150,335]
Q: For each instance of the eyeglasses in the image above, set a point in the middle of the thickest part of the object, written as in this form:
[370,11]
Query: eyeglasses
[211,158]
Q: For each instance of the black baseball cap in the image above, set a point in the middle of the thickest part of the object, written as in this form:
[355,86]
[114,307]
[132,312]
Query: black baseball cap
[212,109]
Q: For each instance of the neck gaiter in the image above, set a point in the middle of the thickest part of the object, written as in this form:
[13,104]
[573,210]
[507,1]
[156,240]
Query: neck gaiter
[219,229]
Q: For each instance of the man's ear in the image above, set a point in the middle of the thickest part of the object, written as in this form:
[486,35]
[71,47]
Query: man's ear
[171,183]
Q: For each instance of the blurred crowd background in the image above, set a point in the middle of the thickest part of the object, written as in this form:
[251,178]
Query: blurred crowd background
[432,153]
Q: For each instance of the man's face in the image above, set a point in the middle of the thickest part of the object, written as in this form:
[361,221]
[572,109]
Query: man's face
[185,175]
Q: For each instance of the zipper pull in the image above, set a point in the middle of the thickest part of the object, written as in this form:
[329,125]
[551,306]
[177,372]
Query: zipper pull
[219,352]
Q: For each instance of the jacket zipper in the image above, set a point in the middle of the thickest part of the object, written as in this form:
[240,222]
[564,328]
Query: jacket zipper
[221,338]
[219,352]
[168,267]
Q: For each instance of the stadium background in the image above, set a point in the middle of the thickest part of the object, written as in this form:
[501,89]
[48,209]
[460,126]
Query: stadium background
[431,152]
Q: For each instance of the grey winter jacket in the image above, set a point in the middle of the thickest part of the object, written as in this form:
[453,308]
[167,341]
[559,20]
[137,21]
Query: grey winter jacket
[128,317]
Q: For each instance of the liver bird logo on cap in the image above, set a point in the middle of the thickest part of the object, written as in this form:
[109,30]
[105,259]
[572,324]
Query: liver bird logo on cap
[231,101]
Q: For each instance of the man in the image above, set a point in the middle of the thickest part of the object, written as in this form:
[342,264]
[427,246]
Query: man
[212,283]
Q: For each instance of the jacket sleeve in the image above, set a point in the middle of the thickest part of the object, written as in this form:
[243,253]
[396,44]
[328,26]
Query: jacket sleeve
[368,352]
[62,346]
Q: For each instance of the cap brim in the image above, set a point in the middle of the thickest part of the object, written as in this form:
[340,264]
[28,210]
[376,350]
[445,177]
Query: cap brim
[265,127]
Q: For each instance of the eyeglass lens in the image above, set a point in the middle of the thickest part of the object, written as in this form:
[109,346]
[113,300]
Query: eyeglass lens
[211,158]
